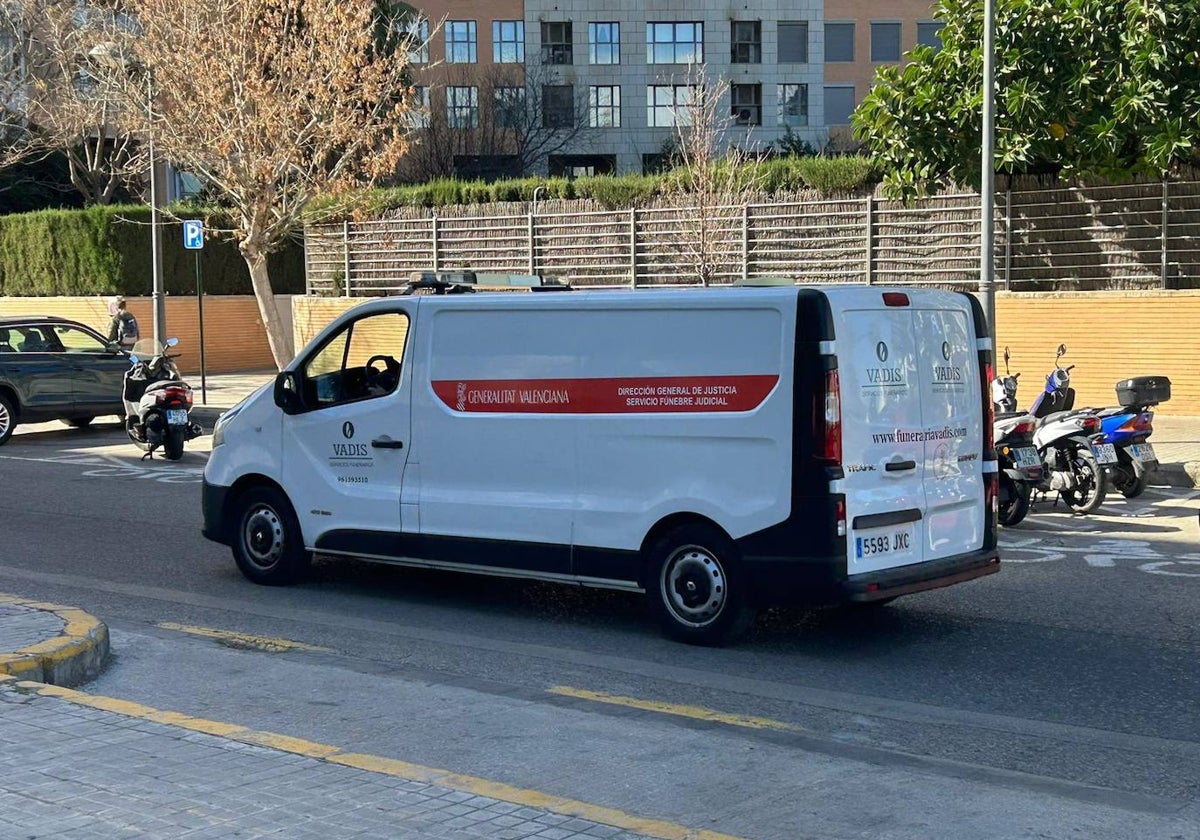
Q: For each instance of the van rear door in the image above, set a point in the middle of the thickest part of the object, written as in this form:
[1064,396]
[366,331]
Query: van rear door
[911,430]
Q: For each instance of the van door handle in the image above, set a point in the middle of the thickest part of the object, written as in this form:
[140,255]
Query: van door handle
[900,466]
[387,443]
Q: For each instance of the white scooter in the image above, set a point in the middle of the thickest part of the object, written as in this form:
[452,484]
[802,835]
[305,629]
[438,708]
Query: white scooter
[1070,443]
[157,401]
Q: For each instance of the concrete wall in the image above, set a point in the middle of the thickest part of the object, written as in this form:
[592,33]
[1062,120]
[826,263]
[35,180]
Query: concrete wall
[234,339]
[1109,336]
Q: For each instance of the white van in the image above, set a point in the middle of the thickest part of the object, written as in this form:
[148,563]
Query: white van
[717,449]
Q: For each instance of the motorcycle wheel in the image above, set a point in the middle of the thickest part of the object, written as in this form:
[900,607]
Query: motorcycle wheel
[173,443]
[1014,510]
[1134,487]
[1091,483]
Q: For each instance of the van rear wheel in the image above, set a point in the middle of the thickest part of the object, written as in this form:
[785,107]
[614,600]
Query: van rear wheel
[268,545]
[696,588]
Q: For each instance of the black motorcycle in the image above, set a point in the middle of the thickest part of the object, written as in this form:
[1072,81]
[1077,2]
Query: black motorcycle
[157,401]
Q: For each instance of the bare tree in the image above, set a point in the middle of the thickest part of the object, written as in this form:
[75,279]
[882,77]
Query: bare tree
[273,104]
[716,177]
[511,116]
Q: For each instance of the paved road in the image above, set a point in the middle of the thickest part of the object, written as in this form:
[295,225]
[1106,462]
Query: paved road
[1057,698]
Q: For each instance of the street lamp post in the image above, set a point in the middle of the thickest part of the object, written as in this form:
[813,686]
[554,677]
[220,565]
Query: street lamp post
[987,224]
[160,312]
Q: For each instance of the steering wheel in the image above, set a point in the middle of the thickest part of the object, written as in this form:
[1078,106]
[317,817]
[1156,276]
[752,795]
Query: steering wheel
[386,379]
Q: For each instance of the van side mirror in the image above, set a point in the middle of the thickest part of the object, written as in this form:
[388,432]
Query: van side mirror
[287,393]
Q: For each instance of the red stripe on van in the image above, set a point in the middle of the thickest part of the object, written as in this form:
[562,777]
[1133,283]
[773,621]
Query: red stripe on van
[626,395]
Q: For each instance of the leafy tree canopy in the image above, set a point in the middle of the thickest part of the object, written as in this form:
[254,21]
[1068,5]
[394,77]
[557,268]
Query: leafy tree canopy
[1083,88]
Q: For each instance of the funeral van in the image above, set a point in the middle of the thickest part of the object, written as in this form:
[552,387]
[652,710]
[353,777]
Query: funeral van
[715,449]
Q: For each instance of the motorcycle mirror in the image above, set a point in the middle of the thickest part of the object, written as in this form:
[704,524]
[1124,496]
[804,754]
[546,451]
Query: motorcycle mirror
[1062,350]
[171,342]
[134,358]
[1006,358]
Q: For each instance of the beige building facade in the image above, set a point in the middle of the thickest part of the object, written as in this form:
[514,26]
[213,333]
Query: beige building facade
[609,78]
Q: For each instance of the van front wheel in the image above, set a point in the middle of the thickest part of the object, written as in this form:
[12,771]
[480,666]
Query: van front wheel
[696,588]
[268,545]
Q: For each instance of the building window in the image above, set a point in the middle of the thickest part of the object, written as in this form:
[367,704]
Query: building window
[508,41]
[839,40]
[669,105]
[509,107]
[558,106]
[604,106]
[929,33]
[839,104]
[604,43]
[462,107]
[461,42]
[418,114]
[885,41]
[580,166]
[674,43]
[793,105]
[745,37]
[745,104]
[417,32]
[556,43]
[793,43]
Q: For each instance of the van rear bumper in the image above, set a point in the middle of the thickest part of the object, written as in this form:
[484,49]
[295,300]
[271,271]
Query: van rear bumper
[918,577]
[823,580]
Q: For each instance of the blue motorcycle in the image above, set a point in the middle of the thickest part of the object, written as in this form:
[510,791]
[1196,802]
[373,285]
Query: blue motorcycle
[1128,426]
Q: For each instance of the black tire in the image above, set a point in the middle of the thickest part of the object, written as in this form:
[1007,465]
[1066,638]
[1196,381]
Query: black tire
[8,418]
[267,543]
[173,443]
[1016,508]
[695,586]
[79,422]
[1092,484]
[1132,488]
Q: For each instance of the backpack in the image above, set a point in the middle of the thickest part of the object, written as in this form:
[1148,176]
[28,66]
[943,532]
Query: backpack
[127,329]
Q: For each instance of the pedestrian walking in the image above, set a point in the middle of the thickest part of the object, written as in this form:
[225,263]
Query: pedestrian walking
[124,327]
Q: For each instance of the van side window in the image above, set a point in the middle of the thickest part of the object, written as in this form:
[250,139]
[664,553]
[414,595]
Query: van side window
[363,361]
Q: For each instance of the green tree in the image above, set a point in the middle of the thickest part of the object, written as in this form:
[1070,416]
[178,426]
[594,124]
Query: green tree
[1083,87]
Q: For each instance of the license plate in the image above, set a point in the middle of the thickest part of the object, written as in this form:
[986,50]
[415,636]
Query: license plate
[884,541]
[1026,458]
[176,417]
[1143,452]
[1106,453]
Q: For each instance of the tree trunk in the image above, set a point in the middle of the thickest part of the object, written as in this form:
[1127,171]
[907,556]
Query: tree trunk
[277,337]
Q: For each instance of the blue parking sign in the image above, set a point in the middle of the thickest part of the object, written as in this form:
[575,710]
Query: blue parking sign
[193,234]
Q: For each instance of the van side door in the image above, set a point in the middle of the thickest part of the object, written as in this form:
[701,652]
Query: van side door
[345,449]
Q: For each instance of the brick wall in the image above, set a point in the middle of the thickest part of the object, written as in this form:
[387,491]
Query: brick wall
[234,339]
[1109,336]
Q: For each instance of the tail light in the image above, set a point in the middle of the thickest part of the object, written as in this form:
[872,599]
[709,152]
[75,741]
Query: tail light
[991,498]
[830,433]
[170,394]
[1091,425]
[989,436]
[1025,427]
[840,515]
[895,299]
[1138,423]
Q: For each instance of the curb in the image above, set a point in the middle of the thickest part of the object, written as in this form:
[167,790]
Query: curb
[75,657]
[1185,475]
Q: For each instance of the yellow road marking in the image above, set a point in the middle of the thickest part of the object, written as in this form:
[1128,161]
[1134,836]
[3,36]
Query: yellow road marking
[525,797]
[694,712]
[246,640]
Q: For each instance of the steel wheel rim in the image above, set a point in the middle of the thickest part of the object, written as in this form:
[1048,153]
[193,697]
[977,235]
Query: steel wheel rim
[694,586]
[262,537]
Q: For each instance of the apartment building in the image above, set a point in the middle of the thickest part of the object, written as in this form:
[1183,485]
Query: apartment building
[600,84]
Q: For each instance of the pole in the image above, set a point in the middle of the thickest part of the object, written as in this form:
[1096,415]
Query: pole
[160,314]
[987,268]
[200,311]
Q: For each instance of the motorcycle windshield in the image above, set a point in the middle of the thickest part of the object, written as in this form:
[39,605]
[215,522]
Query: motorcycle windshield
[147,348]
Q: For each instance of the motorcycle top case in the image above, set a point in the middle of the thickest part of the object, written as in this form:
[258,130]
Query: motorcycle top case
[1143,390]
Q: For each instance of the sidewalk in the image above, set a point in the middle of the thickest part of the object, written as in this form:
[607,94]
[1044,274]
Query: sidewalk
[81,765]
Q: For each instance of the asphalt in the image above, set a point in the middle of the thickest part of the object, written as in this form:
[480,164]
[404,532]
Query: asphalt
[184,777]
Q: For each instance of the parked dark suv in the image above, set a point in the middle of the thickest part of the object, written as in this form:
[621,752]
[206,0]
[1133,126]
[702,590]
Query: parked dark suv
[54,369]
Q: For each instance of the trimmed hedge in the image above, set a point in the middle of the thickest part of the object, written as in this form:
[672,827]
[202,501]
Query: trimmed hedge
[106,250]
[849,173]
